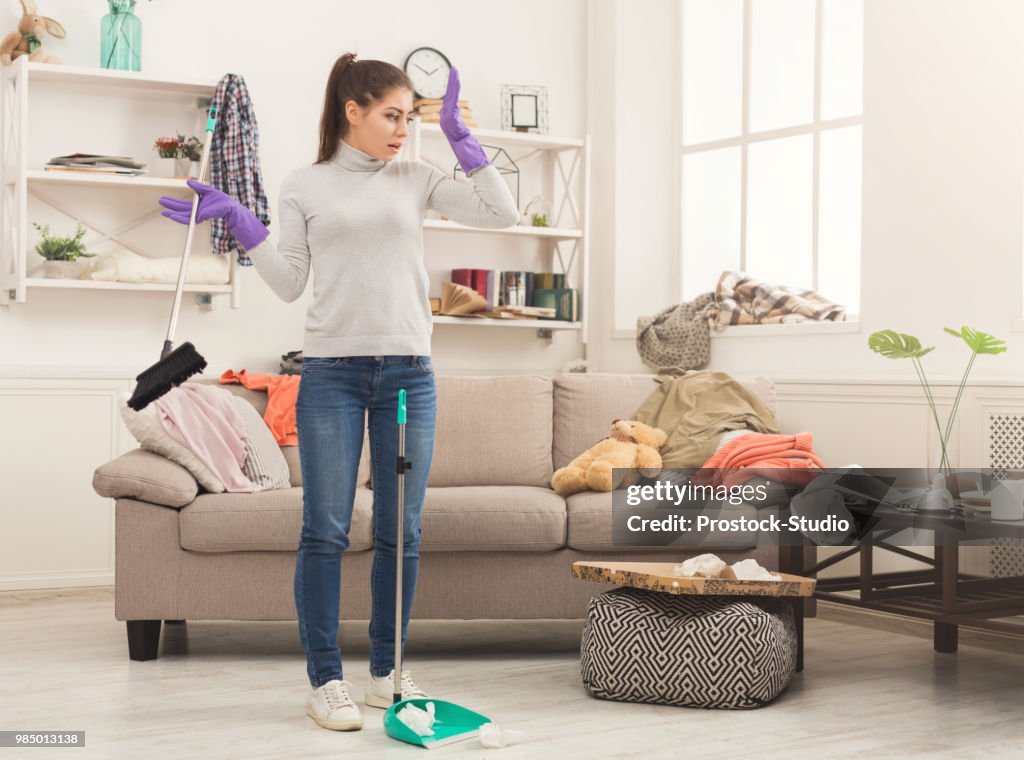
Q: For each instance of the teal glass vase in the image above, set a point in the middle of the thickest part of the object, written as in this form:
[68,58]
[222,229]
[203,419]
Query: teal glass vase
[121,37]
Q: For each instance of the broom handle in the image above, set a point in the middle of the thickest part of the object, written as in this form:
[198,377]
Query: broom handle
[204,162]
[399,548]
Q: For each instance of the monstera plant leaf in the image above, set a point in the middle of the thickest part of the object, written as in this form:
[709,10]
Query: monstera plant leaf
[894,345]
[979,342]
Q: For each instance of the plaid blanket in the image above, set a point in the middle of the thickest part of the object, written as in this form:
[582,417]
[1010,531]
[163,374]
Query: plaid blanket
[742,300]
[235,160]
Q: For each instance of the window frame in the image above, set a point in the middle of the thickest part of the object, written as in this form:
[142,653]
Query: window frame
[745,138]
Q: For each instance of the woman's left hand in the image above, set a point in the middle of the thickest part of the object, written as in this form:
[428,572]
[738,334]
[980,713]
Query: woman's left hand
[466,147]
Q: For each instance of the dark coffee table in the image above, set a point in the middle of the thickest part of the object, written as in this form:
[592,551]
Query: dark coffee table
[940,593]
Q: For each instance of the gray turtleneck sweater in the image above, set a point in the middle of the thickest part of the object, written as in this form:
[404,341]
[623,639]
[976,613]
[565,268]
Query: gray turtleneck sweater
[358,221]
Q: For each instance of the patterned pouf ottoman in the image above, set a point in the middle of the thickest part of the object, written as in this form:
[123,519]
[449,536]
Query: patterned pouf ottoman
[728,652]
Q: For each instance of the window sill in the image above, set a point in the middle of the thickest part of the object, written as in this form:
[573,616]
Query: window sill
[797,328]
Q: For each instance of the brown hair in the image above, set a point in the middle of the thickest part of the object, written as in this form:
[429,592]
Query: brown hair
[361,81]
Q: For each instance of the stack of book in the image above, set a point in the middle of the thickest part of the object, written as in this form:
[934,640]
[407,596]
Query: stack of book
[520,294]
[429,110]
[87,162]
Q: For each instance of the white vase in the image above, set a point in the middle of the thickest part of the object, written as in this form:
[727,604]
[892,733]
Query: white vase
[64,270]
[162,167]
[181,168]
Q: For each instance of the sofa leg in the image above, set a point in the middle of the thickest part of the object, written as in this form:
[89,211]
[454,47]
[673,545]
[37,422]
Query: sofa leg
[174,622]
[143,639]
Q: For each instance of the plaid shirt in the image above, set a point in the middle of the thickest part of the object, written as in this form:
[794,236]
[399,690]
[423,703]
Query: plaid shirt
[235,160]
[742,300]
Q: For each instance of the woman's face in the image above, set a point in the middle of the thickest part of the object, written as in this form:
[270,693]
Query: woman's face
[381,129]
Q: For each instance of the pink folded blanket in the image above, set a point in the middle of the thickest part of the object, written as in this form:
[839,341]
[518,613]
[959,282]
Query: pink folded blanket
[204,418]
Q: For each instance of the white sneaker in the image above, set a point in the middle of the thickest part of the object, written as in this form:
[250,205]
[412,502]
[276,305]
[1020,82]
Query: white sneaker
[380,692]
[332,707]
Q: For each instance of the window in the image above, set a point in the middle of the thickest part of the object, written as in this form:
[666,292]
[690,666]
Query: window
[771,143]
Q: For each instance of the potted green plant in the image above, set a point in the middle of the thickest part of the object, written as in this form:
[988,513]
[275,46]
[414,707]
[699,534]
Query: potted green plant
[894,345]
[62,254]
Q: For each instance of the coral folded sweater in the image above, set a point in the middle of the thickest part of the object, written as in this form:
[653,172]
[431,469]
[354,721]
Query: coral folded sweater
[282,393]
[789,458]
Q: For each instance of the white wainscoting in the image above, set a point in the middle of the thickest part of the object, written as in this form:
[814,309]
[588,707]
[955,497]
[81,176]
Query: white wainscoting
[54,530]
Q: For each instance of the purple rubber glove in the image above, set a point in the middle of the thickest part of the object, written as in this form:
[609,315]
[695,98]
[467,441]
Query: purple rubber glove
[213,204]
[466,147]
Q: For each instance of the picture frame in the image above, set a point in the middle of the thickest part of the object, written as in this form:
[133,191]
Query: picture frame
[524,108]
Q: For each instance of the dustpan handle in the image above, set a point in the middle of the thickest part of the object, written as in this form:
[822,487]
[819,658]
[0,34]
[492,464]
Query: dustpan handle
[211,123]
[401,467]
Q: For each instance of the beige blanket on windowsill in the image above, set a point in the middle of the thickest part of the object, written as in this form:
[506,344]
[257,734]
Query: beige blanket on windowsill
[127,266]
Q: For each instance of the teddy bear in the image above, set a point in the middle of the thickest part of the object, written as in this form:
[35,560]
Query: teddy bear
[28,40]
[631,444]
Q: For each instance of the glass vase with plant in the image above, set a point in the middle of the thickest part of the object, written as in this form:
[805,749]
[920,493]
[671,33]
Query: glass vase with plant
[894,345]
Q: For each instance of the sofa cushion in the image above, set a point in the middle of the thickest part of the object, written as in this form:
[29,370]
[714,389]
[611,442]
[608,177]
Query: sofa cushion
[589,527]
[492,518]
[262,521]
[146,428]
[146,476]
[291,453]
[492,431]
[264,464]
[586,403]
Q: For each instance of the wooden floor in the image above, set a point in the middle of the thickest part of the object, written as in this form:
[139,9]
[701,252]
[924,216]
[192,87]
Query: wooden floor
[236,690]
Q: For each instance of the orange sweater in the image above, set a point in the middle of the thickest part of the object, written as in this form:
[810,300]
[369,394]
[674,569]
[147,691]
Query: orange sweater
[789,458]
[282,393]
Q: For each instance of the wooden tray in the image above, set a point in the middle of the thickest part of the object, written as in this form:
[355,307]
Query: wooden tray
[657,576]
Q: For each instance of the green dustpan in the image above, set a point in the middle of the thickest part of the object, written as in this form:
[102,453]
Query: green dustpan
[452,723]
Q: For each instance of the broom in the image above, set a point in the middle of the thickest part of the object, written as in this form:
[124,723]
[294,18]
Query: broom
[176,365]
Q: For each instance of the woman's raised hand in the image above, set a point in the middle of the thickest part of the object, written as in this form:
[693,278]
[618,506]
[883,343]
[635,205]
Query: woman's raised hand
[466,147]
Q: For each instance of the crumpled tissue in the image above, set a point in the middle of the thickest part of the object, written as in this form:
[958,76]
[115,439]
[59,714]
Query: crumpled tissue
[706,565]
[419,720]
[749,570]
[493,736]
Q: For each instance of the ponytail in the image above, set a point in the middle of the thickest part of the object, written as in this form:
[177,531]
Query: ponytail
[361,81]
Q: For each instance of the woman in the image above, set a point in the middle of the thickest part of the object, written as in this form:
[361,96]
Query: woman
[356,216]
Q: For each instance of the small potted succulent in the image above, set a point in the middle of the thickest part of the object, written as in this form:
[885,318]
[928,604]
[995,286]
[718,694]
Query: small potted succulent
[62,254]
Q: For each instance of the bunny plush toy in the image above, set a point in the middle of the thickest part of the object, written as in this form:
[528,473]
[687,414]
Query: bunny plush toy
[28,40]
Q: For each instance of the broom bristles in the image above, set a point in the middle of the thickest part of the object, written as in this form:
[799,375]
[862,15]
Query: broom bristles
[174,369]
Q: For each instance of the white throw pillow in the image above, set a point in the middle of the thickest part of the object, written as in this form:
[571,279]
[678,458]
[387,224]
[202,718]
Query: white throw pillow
[146,428]
[265,464]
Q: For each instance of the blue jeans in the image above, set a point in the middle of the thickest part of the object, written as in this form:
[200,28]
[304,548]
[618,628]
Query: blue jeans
[334,397]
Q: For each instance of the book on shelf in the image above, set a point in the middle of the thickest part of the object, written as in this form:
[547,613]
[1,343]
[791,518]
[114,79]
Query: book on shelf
[435,305]
[528,312]
[458,300]
[548,280]
[91,159]
[96,170]
[565,302]
[463,277]
[435,118]
[435,103]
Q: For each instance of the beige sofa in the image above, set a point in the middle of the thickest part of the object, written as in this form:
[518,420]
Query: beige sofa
[497,541]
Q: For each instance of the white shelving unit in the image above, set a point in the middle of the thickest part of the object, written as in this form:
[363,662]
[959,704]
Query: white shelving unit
[23,83]
[564,165]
